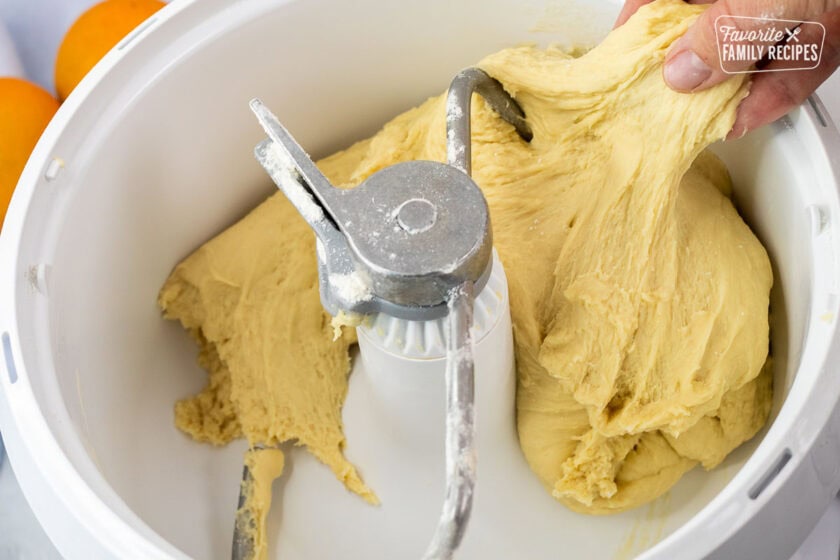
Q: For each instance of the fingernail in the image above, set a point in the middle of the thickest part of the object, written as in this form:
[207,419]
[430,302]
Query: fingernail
[686,71]
[739,129]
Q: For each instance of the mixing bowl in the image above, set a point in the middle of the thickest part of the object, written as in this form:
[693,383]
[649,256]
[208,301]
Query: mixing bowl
[151,156]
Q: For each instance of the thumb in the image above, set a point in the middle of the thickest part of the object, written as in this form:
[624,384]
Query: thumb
[694,62]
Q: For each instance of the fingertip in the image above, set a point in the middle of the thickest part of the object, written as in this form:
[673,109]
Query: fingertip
[629,8]
[756,110]
[739,130]
[771,96]
[744,118]
[684,71]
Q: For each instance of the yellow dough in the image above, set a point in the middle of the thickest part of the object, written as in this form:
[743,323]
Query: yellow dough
[264,465]
[250,299]
[639,297]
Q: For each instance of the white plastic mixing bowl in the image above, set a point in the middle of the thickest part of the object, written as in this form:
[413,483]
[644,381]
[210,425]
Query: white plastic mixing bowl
[151,156]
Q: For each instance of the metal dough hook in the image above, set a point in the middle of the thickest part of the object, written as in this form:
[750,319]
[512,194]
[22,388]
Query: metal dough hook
[412,241]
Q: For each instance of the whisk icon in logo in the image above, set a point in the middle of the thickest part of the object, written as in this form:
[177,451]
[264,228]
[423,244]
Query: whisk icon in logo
[774,45]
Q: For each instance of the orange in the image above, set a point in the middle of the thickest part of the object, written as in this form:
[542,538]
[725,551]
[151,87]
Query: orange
[25,110]
[96,32]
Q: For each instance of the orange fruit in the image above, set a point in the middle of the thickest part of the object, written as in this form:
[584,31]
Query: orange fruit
[96,32]
[25,111]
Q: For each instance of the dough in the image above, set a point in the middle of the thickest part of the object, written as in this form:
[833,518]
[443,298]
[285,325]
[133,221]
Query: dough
[264,465]
[250,299]
[639,297]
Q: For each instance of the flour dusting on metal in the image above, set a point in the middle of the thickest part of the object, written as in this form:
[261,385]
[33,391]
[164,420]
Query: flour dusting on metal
[412,241]
[282,166]
[460,426]
[354,287]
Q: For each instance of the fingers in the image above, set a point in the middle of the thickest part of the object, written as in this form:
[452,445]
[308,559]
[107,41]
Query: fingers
[773,94]
[630,7]
[693,63]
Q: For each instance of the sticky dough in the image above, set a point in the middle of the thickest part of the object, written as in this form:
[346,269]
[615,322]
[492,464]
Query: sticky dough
[250,299]
[639,297]
[264,466]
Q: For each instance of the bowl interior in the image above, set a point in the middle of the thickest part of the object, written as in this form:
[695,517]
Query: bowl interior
[158,159]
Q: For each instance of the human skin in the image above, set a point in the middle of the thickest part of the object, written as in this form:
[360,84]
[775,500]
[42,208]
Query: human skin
[693,63]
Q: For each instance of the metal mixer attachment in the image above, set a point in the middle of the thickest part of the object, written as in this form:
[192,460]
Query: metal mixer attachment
[413,241]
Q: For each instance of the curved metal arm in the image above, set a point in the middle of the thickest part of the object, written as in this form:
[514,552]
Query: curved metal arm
[460,426]
[243,528]
[458,103]
[460,382]
[456,201]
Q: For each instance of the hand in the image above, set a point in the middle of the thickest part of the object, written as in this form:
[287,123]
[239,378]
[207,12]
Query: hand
[693,63]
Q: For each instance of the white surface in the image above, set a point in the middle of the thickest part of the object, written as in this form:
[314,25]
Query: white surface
[10,64]
[824,542]
[402,402]
[829,92]
[128,479]
[21,537]
[37,27]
